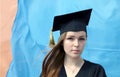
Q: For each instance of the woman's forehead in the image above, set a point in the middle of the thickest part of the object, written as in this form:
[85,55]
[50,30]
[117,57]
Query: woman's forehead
[78,33]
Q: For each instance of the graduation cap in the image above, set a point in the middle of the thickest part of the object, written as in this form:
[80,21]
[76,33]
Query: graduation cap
[76,21]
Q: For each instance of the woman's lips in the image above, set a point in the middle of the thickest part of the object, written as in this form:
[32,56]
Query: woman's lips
[76,51]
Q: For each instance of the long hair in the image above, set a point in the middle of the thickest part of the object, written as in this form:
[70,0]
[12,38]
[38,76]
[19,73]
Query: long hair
[54,59]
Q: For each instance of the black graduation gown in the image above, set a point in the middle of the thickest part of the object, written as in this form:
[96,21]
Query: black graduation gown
[87,70]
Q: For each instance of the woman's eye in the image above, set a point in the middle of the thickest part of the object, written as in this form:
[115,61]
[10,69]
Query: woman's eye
[70,38]
[81,38]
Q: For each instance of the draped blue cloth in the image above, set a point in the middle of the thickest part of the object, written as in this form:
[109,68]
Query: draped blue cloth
[34,18]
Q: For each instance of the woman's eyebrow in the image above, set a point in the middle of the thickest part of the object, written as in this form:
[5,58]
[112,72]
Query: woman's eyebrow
[82,36]
[70,36]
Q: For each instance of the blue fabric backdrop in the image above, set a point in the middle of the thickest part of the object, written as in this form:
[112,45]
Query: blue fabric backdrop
[34,18]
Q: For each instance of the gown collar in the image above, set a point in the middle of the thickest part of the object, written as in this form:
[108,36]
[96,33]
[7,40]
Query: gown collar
[63,72]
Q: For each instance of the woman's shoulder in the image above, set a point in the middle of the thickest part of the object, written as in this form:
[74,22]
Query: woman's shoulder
[91,69]
[94,68]
[92,64]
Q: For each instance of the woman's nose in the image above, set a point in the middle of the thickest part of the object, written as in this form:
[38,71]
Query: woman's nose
[76,43]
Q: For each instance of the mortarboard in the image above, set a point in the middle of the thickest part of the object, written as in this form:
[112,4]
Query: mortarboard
[76,21]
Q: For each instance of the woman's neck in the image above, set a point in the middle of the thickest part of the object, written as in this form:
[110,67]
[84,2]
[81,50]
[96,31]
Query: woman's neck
[73,61]
[72,66]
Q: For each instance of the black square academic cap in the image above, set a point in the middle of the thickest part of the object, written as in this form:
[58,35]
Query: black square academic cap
[76,21]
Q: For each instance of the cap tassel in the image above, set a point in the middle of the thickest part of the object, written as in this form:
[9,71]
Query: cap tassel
[52,42]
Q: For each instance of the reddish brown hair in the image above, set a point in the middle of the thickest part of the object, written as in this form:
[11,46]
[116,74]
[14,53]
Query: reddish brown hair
[54,59]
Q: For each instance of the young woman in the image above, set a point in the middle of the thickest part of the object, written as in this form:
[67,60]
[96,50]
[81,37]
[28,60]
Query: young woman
[64,60]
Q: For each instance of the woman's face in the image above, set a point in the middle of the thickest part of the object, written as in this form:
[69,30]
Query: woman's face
[74,43]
